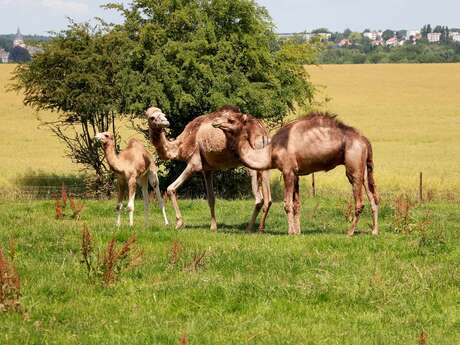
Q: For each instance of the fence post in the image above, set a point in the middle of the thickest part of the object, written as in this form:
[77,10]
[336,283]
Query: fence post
[420,188]
[313,186]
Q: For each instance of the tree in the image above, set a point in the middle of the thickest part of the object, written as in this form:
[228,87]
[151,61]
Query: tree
[76,76]
[320,31]
[187,57]
[355,37]
[19,54]
[387,34]
[191,57]
[347,33]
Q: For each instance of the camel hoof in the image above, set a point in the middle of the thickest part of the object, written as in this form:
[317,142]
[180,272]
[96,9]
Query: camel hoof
[375,232]
[261,230]
[350,233]
[179,224]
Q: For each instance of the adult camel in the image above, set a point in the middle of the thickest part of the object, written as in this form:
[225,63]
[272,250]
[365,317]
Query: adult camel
[316,142]
[206,149]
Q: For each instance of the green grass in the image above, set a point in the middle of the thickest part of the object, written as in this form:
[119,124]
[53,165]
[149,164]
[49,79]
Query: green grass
[317,288]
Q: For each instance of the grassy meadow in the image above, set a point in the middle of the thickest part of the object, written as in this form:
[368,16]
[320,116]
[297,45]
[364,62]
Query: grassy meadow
[318,288]
[232,287]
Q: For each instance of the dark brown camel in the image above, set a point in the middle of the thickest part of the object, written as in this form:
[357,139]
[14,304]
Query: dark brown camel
[313,143]
[206,149]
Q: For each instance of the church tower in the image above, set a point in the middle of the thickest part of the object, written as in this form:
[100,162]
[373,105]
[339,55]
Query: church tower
[18,40]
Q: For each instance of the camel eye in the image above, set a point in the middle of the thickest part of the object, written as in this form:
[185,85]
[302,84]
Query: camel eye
[231,121]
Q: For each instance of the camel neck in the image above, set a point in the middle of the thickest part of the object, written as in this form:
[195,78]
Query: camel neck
[166,149]
[257,159]
[111,156]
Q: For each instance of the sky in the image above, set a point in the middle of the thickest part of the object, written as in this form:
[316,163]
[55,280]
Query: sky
[42,16]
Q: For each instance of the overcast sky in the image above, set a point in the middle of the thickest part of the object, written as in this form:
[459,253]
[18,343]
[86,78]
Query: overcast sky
[40,16]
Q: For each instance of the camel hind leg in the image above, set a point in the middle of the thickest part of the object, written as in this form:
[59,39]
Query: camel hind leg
[289,181]
[145,195]
[155,183]
[131,196]
[257,196]
[373,200]
[121,194]
[355,170]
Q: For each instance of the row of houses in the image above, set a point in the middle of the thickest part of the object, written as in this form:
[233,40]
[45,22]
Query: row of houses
[376,37]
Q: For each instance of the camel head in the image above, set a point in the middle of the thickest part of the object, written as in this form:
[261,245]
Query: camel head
[237,126]
[104,138]
[156,118]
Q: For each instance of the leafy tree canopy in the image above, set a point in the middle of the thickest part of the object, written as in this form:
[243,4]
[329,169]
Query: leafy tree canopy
[190,57]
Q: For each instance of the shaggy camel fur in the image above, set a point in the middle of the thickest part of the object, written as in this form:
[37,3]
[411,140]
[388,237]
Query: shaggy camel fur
[134,165]
[315,142]
[205,149]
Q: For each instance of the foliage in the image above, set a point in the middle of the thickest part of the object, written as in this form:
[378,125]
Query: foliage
[75,76]
[109,263]
[61,204]
[10,286]
[191,57]
[20,55]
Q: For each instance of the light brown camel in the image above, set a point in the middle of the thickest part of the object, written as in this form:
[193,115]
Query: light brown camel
[315,142]
[206,149]
[133,165]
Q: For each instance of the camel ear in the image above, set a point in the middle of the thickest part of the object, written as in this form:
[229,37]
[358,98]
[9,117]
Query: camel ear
[244,118]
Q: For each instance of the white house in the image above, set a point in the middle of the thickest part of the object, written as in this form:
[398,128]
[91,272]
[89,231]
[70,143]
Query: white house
[4,56]
[413,35]
[454,36]
[434,37]
[392,42]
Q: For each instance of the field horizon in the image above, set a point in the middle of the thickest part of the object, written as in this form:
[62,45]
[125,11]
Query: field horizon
[408,111]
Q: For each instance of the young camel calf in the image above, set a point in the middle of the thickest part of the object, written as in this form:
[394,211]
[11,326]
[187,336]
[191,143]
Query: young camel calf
[134,165]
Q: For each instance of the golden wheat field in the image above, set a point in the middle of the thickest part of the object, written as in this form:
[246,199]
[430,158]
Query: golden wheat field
[411,114]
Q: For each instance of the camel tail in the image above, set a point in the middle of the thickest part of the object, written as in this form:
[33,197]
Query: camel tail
[370,172]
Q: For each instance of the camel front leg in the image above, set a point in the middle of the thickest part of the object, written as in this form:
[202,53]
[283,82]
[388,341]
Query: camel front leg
[131,197]
[153,178]
[211,198]
[289,180]
[266,194]
[189,170]
[257,196]
[297,205]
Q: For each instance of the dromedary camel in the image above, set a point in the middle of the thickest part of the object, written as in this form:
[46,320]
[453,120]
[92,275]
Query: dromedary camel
[315,142]
[206,149]
[134,165]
